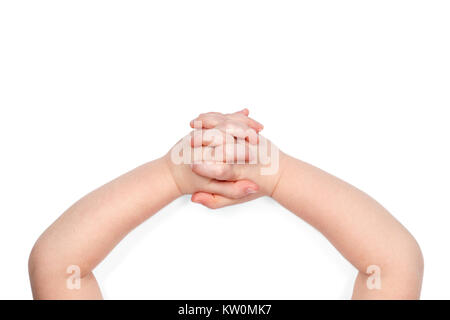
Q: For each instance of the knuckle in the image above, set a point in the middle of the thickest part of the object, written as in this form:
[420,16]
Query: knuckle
[229,125]
[220,171]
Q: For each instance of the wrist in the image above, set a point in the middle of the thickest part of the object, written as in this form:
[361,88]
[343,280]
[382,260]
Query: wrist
[269,179]
[174,173]
[283,159]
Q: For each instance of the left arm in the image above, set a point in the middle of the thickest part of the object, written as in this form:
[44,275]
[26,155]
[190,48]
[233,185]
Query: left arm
[93,226]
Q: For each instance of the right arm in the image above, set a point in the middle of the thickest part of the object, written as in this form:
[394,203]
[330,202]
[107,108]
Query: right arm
[364,232]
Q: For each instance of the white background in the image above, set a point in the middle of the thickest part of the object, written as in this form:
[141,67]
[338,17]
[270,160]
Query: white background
[91,89]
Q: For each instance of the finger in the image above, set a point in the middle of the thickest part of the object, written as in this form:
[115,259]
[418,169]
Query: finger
[210,137]
[235,153]
[240,130]
[205,123]
[240,152]
[244,111]
[212,119]
[215,201]
[207,120]
[231,189]
[252,123]
[214,170]
[224,133]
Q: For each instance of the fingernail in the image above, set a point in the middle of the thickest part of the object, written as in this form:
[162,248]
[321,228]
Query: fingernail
[250,190]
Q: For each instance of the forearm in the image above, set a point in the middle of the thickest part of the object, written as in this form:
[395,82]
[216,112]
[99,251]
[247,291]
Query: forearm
[91,228]
[363,231]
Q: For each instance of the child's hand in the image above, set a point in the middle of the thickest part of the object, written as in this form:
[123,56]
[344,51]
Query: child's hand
[181,160]
[258,162]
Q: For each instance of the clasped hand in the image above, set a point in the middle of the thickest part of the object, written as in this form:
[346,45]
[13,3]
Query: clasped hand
[224,160]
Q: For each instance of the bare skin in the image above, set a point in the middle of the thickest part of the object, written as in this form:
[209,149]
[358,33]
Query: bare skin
[361,229]
[85,234]
[364,232]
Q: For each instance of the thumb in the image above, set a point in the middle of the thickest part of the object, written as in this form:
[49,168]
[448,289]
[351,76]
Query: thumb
[215,201]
